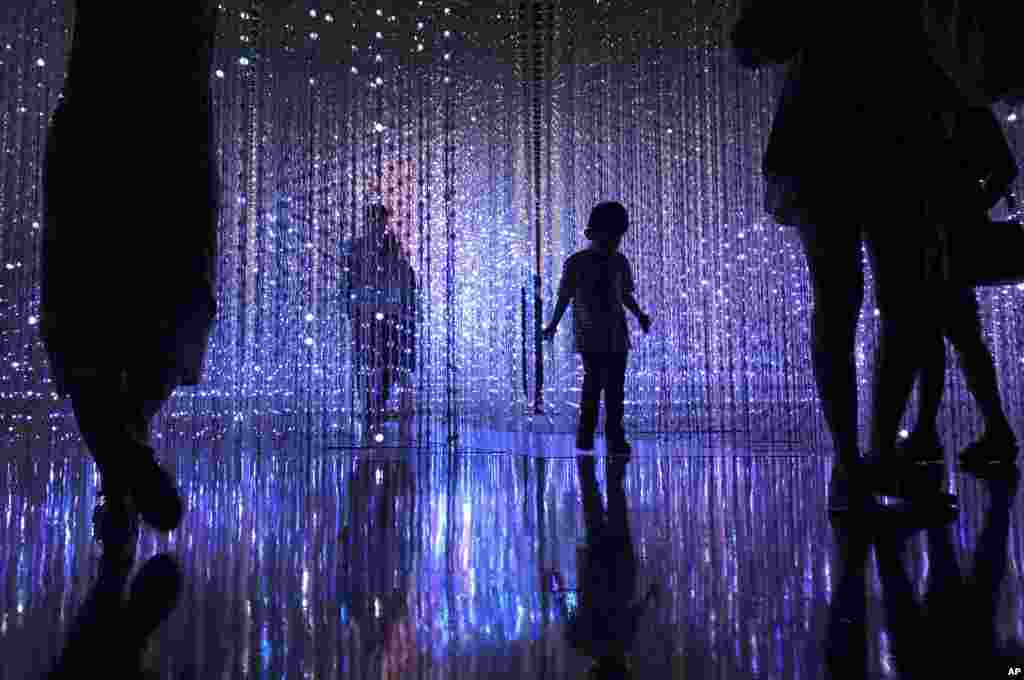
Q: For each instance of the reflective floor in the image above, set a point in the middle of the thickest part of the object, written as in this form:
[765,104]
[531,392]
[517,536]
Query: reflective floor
[511,558]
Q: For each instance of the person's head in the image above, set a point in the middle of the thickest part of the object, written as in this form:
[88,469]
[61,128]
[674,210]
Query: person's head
[377,218]
[607,225]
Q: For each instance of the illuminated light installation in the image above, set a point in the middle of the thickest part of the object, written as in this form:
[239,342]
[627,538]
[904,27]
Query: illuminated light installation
[438,112]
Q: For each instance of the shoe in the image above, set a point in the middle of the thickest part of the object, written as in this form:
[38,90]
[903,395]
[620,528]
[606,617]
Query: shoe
[115,524]
[921,450]
[154,492]
[847,489]
[889,474]
[988,451]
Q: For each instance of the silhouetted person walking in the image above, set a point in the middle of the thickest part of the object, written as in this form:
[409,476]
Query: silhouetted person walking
[384,305]
[599,283]
[129,244]
[988,169]
[860,148]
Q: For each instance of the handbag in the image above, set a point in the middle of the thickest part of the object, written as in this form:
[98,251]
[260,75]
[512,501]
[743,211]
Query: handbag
[985,252]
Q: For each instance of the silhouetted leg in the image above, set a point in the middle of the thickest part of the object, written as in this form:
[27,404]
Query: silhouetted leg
[835,262]
[593,510]
[932,382]
[614,396]
[903,272]
[97,404]
[589,402]
[979,367]
[146,391]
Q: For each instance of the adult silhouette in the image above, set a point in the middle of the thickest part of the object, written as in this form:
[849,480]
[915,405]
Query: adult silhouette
[383,306]
[129,244]
[860,150]
[988,169]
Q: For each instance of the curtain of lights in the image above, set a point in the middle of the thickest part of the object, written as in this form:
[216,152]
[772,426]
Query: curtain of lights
[489,130]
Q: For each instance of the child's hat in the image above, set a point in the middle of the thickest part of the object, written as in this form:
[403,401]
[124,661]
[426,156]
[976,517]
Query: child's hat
[608,218]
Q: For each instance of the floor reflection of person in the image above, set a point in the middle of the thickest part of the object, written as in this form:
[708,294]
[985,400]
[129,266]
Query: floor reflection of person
[378,581]
[383,308]
[958,615]
[608,613]
[110,633]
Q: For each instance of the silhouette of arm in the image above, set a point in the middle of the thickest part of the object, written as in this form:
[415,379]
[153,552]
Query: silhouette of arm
[566,291]
[628,300]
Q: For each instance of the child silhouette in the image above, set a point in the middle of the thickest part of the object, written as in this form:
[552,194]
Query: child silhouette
[599,283]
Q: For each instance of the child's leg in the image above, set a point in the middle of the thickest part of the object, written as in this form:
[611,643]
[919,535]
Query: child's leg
[614,397]
[588,402]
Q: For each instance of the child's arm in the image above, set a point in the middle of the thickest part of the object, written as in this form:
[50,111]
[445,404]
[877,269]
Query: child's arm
[630,302]
[566,288]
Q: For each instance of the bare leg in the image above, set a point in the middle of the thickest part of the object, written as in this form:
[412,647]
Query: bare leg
[932,382]
[903,273]
[834,258]
[978,365]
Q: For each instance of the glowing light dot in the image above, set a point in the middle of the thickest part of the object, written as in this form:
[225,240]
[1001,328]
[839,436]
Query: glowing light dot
[378,438]
[40,62]
[904,434]
[379,59]
[447,79]
[312,13]
[309,317]
[378,127]
[355,70]
[447,10]
[419,27]
[379,35]
[314,35]
[380,316]
[447,57]
[309,341]
[1012,118]
[329,18]
[312,81]
[419,48]
[243,61]
[32,321]
[220,74]
[877,312]
[380,81]
[447,34]
[380,13]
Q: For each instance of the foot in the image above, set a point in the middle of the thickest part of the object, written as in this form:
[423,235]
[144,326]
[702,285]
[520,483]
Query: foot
[154,491]
[922,448]
[997,448]
[889,474]
[116,527]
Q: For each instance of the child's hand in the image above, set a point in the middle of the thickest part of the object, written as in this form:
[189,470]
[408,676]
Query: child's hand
[549,333]
[645,323]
